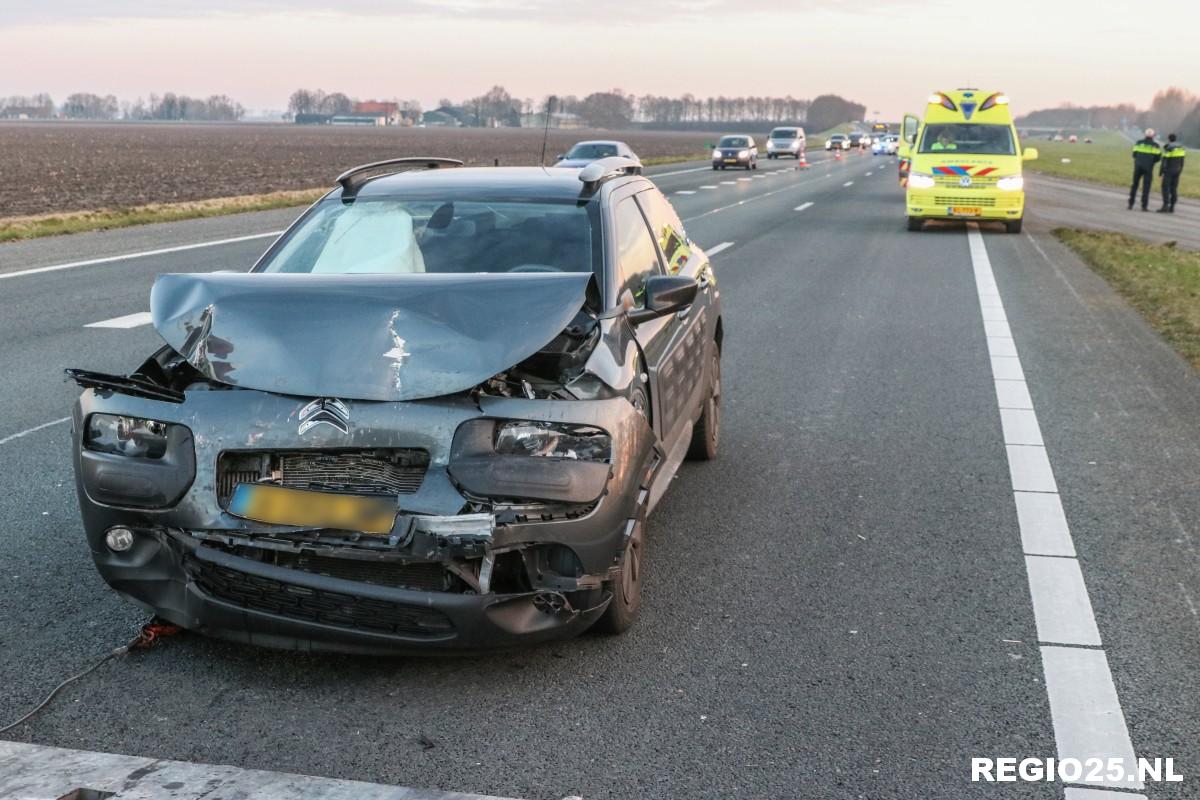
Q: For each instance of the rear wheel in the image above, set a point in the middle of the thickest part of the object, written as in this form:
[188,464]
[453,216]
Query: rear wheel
[707,433]
[915,223]
[1013,225]
[622,612]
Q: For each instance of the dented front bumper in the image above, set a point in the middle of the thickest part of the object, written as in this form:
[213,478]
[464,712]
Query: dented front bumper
[471,562]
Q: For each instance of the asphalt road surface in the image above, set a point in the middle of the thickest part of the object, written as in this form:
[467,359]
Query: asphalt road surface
[846,604]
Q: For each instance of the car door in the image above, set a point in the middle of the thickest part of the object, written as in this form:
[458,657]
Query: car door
[682,340]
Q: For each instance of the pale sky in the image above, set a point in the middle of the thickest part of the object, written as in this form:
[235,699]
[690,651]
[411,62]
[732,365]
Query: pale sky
[886,55]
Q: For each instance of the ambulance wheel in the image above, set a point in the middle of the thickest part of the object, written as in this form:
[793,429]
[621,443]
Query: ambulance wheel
[1013,225]
[915,223]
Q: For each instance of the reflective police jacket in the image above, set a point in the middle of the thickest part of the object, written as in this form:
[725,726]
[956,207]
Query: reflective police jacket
[1172,158]
[1146,153]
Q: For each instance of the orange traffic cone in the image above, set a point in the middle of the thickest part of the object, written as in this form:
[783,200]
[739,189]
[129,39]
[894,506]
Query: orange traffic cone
[837,155]
[803,162]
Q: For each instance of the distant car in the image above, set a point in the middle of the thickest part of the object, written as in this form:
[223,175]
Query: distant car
[1073,138]
[838,141]
[885,145]
[858,139]
[585,153]
[737,150]
[786,142]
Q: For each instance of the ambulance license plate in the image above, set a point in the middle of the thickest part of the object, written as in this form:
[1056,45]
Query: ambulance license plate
[965,211]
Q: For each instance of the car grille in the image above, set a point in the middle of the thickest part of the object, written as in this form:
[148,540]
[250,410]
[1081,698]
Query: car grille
[964,200]
[952,182]
[425,577]
[365,472]
[297,602]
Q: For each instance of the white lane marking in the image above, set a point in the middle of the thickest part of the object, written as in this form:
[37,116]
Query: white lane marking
[1075,793]
[1043,524]
[997,327]
[708,186]
[1021,427]
[848,183]
[1007,368]
[994,313]
[1013,394]
[677,172]
[716,248]
[1030,469]
[686,191]
[32,770]
[759,177]
[1085,710]
[803,206]
[1061,607]
[788,187]
[868,174]
[34,429]
[745,179]
[728,183]
[127,321]
[1084,707]
[143,254]
[1001,346]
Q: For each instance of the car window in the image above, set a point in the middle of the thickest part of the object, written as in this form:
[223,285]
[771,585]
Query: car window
[973,138]
[392,235]
[667,228]
[593,150]
[734,141]
[637,258]
[783,133]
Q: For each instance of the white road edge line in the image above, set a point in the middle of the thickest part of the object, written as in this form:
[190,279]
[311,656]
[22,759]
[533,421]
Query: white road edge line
[803,206]
[848,183]
[685,191]
[712,251]
[1085,711]
[32,770]
[128,321]
[34,429]
[143,254]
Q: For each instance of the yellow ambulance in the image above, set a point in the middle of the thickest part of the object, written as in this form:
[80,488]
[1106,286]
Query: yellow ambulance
[963,161]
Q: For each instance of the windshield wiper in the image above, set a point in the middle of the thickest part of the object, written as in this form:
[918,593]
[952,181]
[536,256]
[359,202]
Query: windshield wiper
[130,385]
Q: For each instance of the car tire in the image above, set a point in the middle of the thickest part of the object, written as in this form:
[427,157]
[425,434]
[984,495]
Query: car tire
[915,223]
[715,167]
[1013,225]
[626,601]
[706,435]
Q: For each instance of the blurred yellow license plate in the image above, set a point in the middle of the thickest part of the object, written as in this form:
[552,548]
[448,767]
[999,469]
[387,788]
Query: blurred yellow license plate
[961,211]
[731,161]
[279,506]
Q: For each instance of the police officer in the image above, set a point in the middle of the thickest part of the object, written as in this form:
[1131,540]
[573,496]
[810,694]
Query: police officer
[1172,167]
[1146,154]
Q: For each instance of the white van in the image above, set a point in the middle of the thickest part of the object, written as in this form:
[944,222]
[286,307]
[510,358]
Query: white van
[786,142]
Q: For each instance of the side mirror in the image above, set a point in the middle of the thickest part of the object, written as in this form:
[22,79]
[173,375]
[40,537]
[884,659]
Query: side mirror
[560,156]
[665,294]
[1030,154]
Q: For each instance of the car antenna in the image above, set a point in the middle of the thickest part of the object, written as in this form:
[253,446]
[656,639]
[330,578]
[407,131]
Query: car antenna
[546,130]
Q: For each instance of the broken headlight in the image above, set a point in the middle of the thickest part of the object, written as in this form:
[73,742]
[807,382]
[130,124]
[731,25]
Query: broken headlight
[126,436]
[552,440]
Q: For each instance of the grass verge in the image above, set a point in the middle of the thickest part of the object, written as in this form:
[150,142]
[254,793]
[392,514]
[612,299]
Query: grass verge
[14,228]
[32,227]
[1161,282]
[1106,161]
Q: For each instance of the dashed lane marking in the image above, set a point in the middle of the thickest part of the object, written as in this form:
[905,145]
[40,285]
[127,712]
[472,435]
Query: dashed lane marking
[848,183]
[717,248]
[686,191]
[21,434]
[127,321]
[803,206]
[142,254]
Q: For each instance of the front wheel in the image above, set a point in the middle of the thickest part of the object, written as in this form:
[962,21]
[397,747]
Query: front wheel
[915,223]
[626,602]
[1013,225]
[707,433]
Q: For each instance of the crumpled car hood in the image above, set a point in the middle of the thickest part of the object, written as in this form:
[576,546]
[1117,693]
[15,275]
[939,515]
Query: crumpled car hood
[362,337]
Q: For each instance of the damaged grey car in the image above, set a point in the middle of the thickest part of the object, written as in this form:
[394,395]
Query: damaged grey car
[434,416]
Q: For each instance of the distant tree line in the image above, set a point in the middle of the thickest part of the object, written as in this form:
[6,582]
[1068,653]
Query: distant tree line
[616,109]
[1172,110]
[83,105]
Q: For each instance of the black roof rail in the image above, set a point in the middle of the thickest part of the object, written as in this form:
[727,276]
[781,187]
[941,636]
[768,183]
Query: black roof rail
[603,169]
[353,179]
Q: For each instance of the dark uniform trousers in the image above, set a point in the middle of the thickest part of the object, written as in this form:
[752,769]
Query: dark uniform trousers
[1146,176]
